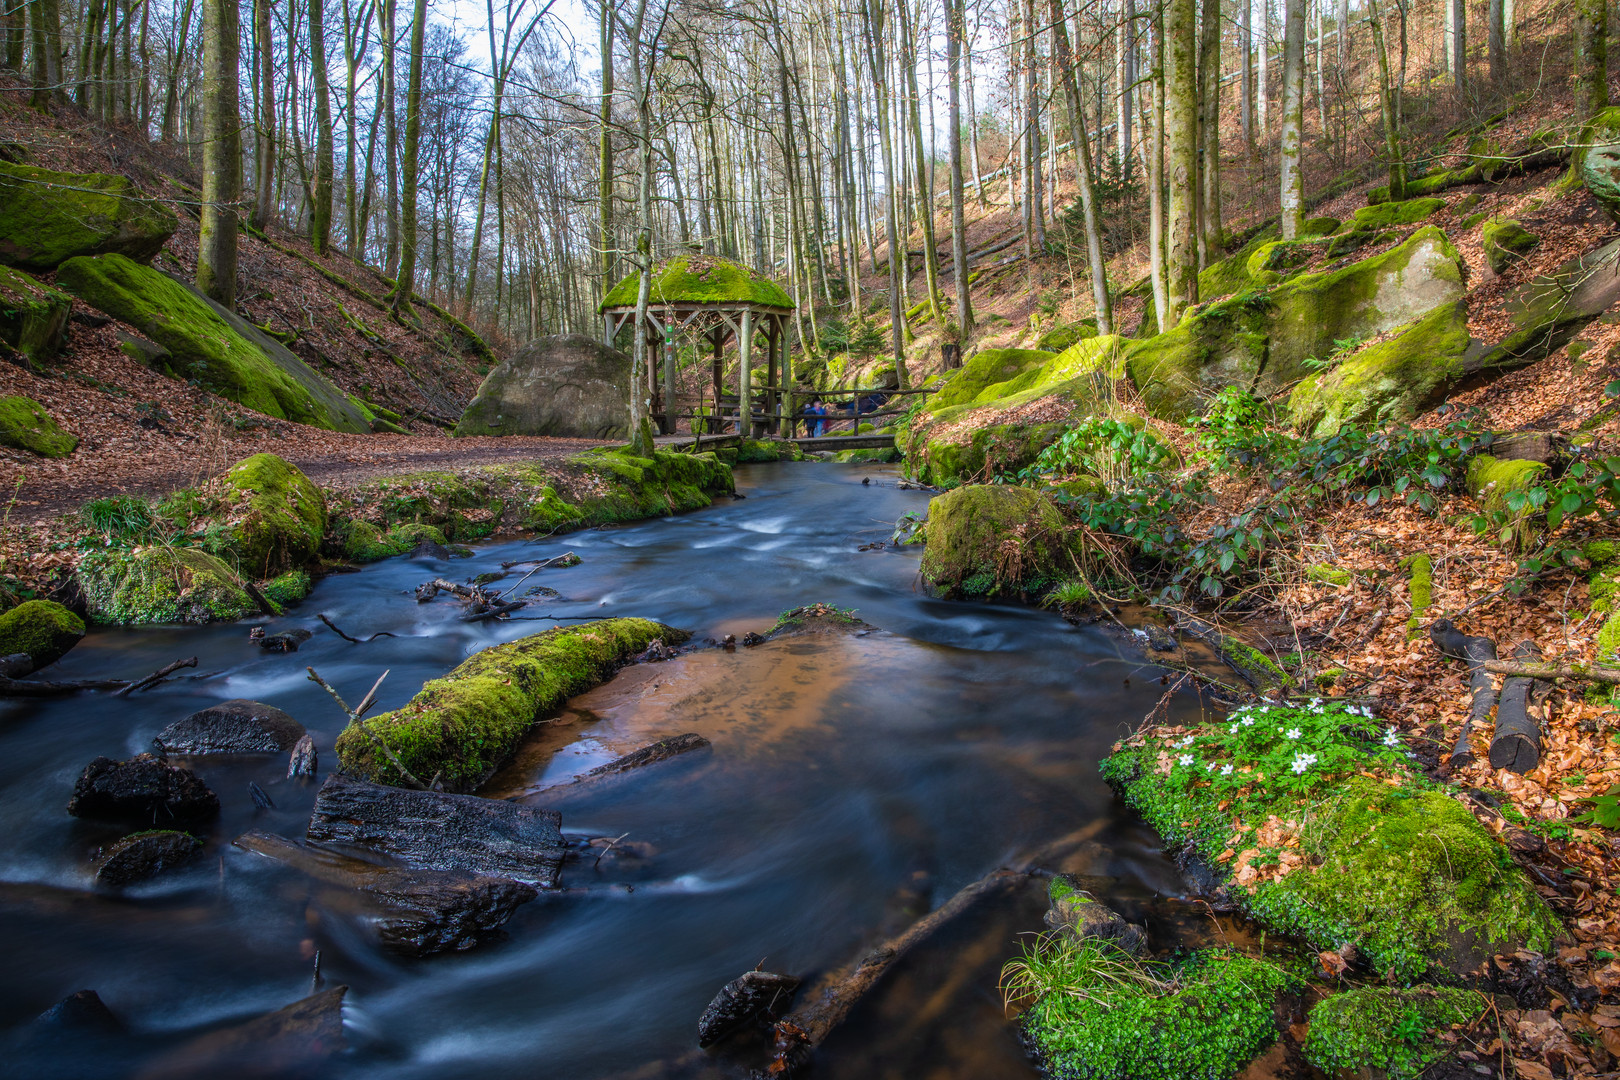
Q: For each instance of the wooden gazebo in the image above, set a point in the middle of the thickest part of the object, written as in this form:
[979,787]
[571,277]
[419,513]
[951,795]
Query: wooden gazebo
[716,301]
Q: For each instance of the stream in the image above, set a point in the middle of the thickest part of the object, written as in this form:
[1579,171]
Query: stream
[854,783]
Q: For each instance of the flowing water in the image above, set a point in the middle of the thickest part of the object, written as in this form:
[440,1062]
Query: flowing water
[854,782]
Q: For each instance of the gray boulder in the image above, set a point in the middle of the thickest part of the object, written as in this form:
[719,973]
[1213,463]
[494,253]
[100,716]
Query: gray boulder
[238,726]
[144,855]
[1078,915]
[568,385]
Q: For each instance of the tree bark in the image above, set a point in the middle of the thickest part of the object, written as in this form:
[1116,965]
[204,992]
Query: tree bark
[1293,118]
[264,67]
[954,26]
[1212,244]
[1082,154]
[1156,230]
[46,31]
[1591,57]
[408,165]
[1181,156]
[604,186]
[1389,104]
[872,14]
[320,210]
[222,152]
[1459,45]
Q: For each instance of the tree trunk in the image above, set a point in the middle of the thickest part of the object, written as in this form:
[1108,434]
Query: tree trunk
[954,26]
[1389,108]
[222,152]
[1082,156]
[604,184]
[1181,155]
[413,138]
[925,186]
[1459,45]
[1262,85]
[171,100]
[320,210]
[1496,32]
[1127,87]
[1293,103]
[390,132]
[1591,57]
[354,48]
[1212,245]
[264,66]
[1155,170]
[872,13]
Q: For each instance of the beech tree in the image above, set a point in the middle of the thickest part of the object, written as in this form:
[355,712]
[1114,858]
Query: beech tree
[222,151]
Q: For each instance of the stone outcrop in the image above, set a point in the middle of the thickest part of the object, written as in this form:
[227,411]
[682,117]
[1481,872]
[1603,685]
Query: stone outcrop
[566,385]
[49,217]
[25,425]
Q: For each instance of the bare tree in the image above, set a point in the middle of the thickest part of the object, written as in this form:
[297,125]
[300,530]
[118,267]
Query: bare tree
[222,151]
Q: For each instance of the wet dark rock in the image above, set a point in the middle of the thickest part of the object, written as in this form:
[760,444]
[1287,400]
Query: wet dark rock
[751,639]
[83,1013]
[303,760]
[16,665]
[1159,639]
[143,790]
[654,653]
[430,549]
[284,642]
[1076,914]
[233,727]
[143,855]
[412,912]
[437,831]
[291,1042]
[754,997]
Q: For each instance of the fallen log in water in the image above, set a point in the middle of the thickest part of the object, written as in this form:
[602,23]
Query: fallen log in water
[294,1041]
[651,754]
[1517,743]
[29,688]
[1477,651]
[438,831]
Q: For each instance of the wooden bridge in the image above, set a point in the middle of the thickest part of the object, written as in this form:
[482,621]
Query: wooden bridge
[810,444]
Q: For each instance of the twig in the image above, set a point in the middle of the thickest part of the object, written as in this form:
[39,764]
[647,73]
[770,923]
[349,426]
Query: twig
[607,849]
[356,718]
[346,637]
[156,676]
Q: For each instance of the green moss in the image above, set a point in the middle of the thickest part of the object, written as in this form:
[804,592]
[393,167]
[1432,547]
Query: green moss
[1506,242]
[1269,680]
[33,316]
[277,516]
[25,425]
[161,585]
[631,488]
[206,343]
[1329,575]
[1405,874]
[288,588]
[1419,590]
[984,453]
[1319,226]
[1223,278]
[991,538]
[886,455]
[1395,1032]
[1491,481]
[1608,640]
[1270,263]
[977,379]
[755,450]
[1080,487]
[41,628]
[1206,1018]
[1392,381]
[463,726]
[1062,337]
[48,217]
[549,513]
[701,279]
[1391,215]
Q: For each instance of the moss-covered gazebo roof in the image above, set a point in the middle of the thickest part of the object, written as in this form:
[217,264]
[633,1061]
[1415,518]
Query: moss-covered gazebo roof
[701,279]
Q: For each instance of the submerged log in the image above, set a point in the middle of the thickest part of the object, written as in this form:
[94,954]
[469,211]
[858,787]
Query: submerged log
[290,1042]
[437,831]
[651,754]
[1517,743]
[1477,651]
[754,996]
[412,912]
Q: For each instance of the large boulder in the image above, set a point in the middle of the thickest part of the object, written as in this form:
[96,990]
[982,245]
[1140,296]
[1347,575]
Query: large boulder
[1392,381]
[33,316]
[1600,163]
[25,425]
[567,384]
[144,790]
[1263,340]
[41,628]
[277,517]
[161,585]
[993,538]
[203,342]
[1549,310]
[238,726]
[49,217]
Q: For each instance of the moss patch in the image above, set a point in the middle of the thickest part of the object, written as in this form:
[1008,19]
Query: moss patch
[1506,242]
[41,628]
[1492,480]
[463,726]
[1419,590]
[1394,1032]
[25,425]
[1390,215]
[701,279]
[989,539]
[33,316]
[1209,1016]
[208,345]
[277,516]
[49,217]
[161,585]
[288,588]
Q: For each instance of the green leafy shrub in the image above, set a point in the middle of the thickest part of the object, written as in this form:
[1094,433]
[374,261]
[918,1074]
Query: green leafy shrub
[1389,1030]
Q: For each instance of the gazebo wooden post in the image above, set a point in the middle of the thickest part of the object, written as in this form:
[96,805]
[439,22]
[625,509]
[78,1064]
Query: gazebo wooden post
[670,354]
[718,338]
[745,408]
[791,407]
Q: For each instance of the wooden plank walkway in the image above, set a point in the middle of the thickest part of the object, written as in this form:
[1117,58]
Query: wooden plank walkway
[868,441]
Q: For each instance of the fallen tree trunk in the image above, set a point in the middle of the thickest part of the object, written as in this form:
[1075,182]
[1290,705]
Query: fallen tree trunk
[1477,651]
[651,754]
[24,688]
[1254,666]
[1517,743]
[1587,672]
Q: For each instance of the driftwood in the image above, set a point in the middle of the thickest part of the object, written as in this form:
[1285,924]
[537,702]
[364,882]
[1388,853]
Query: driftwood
[1517,743]
[481,603]
[25,688]
[352,640]
[157,676]
[1592,673]
[493,611]
[1477,651]
[651,754]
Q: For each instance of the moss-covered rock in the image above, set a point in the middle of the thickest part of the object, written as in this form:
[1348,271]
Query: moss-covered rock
[276,515]
[750,451]
[1390,215]
[463,726]
[161,585]
[49,217]
[33,316]
[364,542]
[1491,481]
[985,375]
[1388,1032]
[1506,242]
[701,279]
[992,538]
[1271,263]
[1099,1016]
[1548,311]
[1062,337]
[1326,854]
[1319,226]
[288,588]
[977,455]
[1600,163]
[25,425]
[208,345]
[562,385]
[1262,340]
[1392,381]
[629,488]
[41,628]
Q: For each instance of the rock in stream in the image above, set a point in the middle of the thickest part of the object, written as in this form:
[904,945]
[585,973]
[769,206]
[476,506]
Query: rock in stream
[143,790]
[232,727]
